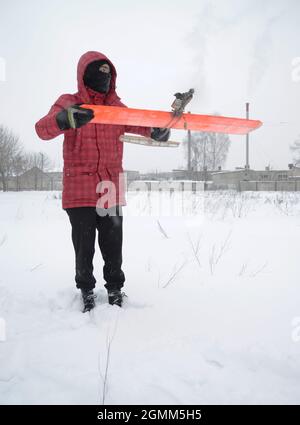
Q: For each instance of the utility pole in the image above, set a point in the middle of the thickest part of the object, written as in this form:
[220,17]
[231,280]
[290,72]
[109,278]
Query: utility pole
[204,164]
[247,139]
[189,151]
[42,164]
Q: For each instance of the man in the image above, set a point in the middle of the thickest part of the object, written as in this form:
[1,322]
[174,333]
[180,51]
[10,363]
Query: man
[92,155]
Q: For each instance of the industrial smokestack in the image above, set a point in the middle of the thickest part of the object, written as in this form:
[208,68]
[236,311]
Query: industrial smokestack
[189,146]
[247,139]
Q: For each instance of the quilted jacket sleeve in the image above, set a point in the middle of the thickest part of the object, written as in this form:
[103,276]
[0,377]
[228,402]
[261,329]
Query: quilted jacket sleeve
[47,128]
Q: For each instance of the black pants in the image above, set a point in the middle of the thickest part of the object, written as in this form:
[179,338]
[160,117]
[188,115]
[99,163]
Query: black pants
[85,221]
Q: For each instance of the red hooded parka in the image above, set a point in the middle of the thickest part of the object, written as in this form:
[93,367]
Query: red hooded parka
[92,153]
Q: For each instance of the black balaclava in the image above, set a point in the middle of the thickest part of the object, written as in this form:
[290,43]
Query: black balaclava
[96,79]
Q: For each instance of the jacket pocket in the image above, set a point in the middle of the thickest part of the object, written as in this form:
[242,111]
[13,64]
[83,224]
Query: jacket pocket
[79,169]
[79,183]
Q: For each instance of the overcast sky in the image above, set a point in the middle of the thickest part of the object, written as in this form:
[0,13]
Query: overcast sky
[230,51]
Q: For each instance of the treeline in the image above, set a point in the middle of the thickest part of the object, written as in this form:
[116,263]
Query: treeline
[15,160]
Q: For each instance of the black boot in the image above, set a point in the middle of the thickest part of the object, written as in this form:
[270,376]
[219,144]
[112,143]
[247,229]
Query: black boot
[115,297]
[88,298]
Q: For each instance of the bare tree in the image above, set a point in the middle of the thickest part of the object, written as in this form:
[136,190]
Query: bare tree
[208,150]
[14,161]
[20,165]
[38,160]
[295,148]
[10,152]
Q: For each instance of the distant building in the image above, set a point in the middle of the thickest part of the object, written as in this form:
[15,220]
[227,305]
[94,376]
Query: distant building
[36,179]
[177,175]
[164,175]
[260,179]
[132,175]
[191,175]
[239,179]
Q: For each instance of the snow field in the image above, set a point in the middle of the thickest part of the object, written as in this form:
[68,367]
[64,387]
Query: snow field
[210,315]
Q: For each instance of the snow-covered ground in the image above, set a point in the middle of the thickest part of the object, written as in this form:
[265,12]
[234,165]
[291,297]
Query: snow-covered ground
[212,315]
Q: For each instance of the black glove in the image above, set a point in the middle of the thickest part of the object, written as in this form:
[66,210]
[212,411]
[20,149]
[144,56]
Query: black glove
[73,117]
[160,134]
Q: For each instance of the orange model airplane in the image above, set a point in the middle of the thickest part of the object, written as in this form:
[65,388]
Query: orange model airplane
[175,119]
